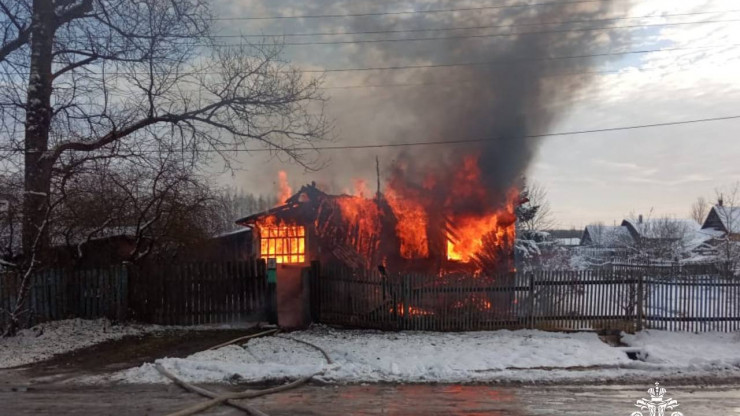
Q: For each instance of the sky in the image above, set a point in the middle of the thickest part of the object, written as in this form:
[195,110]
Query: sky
[597,177]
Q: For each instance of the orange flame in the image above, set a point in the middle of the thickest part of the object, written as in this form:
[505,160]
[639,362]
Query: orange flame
[280,241]
[463,204]
[471,230]
[284,189]
[413,219]
[361,188]
[363,218]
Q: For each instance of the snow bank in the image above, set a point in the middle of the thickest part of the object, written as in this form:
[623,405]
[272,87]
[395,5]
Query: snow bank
[687,351]
[366,356]
[46,340]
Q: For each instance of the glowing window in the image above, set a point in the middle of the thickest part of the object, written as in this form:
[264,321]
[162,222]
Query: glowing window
[284,243]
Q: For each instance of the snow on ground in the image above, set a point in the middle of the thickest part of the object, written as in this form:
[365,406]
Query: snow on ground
[705,351]
[46,340]
[52,338]
[419,357]
[368,356]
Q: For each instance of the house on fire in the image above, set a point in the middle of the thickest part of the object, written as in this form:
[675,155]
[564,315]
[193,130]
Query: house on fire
[355,231]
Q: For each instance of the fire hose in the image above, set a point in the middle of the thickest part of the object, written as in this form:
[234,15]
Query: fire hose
[230,398]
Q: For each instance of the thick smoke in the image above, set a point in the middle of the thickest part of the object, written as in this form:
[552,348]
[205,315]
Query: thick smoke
[520,92]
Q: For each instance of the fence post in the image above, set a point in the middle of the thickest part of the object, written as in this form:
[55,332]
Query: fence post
[640,301]
[315,291]
[530,318]
[405,296]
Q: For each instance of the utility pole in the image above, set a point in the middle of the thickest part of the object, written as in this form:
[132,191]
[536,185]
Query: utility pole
[377,173]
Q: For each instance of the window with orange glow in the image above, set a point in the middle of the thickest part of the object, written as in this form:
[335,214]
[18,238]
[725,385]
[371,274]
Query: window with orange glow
[287,245]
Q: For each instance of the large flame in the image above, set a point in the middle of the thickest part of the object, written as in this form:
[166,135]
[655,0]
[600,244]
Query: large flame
[362,217]
[468,230]
[411,229]
[455,208]
[286,243]
[284,189]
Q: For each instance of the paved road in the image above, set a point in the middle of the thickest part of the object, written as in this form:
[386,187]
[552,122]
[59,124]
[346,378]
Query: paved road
[447,400]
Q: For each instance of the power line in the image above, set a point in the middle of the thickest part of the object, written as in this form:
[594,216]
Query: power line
[480,140]
[489,35]
[460,9]
[461,141]
[460,28]
[460,82]
[432,66]
[375,32]
[500,62]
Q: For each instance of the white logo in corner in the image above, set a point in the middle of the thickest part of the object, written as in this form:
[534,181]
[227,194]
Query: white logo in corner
[657,404]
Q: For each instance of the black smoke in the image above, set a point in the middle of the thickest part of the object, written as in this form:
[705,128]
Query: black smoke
[516,86]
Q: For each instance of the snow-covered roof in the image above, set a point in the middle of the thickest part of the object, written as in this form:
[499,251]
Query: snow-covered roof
[728,216]
[606,235]
[662,227]
[695,239]
[568,241]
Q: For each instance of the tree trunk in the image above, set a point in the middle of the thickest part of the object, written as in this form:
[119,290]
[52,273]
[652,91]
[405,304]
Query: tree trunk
[37,180]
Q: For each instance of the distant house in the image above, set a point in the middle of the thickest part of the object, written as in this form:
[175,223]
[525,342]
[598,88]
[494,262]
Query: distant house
[723,221]
[660,229]
[605,236]
[670,237]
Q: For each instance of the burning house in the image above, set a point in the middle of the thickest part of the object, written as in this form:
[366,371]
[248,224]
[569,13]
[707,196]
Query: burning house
[405,228]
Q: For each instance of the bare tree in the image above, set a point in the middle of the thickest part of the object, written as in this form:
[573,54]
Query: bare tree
[234,205]
[93,81]
[659,239]
[699,210]
[541,213]
[728,210]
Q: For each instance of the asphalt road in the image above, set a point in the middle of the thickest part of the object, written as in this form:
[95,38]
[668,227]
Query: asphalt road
[448,400]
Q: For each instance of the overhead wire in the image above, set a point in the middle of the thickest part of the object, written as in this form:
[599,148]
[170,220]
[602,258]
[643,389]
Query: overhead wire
[455,142]
[487,35]
[398,13]
[432,66]
[481,27]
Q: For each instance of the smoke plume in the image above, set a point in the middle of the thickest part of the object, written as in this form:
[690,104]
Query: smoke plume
[515,85]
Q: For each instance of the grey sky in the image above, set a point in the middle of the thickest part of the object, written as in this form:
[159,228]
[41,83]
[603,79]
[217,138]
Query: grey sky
[596,177]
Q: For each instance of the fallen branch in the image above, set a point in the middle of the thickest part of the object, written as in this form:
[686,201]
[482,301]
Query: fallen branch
[326,355]
[207,393]
[235,340]
[249,394]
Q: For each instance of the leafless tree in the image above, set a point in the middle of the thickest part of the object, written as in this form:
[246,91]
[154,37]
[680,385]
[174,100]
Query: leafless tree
[542,219]
[89,82]
[699,210]
[233,205]
[160,206]
[728,244]
[659,239]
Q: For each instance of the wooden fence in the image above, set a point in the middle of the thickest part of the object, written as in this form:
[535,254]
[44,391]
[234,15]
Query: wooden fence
[181,293]
[625,300]
[61,294]
[198,293]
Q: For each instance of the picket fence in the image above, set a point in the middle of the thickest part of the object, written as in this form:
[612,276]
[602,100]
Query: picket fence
[169,294]
[628,299]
